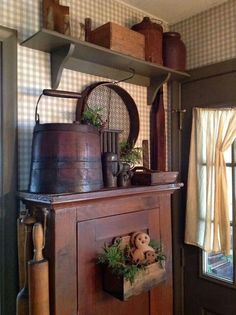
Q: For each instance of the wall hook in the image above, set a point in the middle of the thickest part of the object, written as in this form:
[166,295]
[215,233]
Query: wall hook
[128,78]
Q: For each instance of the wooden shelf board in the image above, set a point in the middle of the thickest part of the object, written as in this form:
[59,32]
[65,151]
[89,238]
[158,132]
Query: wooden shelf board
[94,59]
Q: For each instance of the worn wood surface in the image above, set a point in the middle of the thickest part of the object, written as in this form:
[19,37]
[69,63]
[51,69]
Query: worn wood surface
[61,253]
[119,38]
[20,247]
[38,276]
[145,148]
[65,158]
[61,199]
[56,17]
[158,134]
[144,281]
[153,33]
[164,306]
[95,233]
[22,299]
[78,226]
[144,176]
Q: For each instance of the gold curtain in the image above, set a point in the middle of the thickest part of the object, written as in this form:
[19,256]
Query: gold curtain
[207,210]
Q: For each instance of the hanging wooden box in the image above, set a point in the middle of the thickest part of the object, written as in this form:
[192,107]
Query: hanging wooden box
[119,38]
[144,281]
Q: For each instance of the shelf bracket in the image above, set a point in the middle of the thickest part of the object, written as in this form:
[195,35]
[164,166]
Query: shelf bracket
[59,57]
[154,87]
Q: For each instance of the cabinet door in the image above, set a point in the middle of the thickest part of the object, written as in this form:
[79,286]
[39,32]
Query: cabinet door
[92,235]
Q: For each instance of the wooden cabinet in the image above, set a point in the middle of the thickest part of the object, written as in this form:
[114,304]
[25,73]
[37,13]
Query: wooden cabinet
[78,225]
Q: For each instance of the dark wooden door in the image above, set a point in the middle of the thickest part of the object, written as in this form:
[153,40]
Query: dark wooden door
[212,86]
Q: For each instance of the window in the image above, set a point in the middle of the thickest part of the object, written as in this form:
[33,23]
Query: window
[217,265]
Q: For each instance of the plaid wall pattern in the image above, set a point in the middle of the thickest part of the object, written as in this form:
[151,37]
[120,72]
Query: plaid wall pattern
[34,68]
[210,35]
[209,38]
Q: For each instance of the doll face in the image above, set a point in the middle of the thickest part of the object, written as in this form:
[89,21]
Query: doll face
[150,255]
[141,240]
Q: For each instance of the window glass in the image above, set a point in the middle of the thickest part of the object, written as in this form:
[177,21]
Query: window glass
[230,191]
[217,265]
[228,155]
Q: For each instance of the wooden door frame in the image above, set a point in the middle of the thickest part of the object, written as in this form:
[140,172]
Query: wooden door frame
[175,162]
[8,170]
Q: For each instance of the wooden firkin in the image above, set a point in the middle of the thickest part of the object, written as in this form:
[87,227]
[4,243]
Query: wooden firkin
[119,38]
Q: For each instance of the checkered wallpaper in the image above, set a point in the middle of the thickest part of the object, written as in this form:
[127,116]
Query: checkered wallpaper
[209,36]
[34,68]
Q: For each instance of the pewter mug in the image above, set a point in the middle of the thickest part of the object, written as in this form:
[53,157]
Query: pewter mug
[111,168]
[124,178]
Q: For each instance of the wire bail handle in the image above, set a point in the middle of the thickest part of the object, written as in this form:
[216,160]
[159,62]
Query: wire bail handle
[54,93]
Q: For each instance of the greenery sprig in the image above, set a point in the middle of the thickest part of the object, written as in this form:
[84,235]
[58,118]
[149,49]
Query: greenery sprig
[158,247]
[130,154]
[120,261]
[93,116]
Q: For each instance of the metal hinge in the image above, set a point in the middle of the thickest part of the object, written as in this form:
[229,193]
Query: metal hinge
[180,113]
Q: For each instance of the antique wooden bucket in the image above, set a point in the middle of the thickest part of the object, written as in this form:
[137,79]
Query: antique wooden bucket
[66,157]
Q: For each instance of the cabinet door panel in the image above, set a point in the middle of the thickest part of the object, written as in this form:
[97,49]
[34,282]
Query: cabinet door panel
[92,235]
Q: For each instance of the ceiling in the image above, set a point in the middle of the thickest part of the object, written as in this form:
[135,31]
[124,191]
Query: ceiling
[173,11]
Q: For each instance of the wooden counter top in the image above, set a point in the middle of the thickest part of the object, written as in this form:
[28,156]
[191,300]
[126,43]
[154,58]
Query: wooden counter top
[53,199]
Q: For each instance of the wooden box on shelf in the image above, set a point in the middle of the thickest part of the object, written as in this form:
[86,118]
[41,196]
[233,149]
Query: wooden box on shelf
[119,38]
[145,177]
[144,281]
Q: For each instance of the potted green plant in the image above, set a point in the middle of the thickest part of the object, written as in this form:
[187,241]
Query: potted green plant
[123,274]
[129,156]
[92,116]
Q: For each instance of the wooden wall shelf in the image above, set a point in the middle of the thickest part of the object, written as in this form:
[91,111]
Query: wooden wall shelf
[70,53]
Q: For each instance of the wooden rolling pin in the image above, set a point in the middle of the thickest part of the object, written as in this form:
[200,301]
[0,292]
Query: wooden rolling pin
[21,249]
[22,300]
[38,276]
